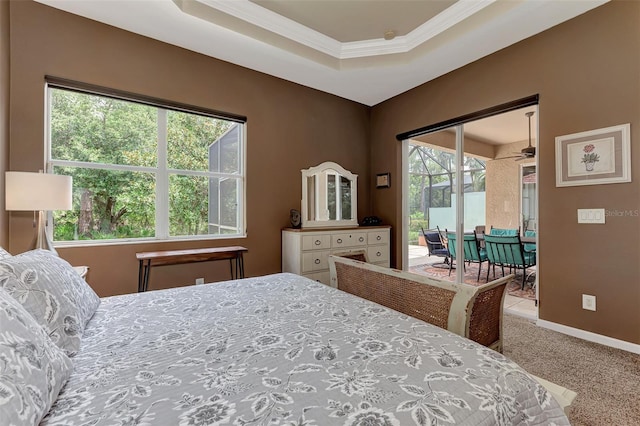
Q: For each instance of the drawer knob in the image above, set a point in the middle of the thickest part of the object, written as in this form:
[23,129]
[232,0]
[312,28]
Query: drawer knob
[361,239]
[378,254]
[379,237]
[318,242]
[339,241]
[317,261]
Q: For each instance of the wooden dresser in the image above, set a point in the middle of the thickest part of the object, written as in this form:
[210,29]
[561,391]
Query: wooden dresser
[306,251]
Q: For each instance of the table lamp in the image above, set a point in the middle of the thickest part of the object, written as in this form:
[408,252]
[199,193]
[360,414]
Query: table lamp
[26,191]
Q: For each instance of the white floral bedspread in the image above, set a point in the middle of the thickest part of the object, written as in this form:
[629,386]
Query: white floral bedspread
[285,350]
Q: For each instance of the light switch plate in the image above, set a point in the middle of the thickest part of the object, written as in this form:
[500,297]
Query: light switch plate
[591,215]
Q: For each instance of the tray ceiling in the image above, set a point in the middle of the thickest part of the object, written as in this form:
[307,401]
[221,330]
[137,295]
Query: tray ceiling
[337,47]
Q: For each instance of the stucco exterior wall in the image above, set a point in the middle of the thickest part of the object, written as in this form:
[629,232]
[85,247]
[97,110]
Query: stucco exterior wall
[503,187]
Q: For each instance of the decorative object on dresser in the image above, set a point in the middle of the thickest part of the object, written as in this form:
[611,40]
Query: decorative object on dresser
[294,218]
[306,251]
[329,196]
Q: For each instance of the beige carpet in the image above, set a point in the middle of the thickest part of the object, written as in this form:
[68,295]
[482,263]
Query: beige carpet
[607,380]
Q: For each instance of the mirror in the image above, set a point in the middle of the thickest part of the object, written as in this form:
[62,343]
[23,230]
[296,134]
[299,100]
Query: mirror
[329,196]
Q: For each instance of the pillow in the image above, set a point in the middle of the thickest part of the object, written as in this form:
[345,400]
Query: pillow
[32,368]
[4,254]
[53,293]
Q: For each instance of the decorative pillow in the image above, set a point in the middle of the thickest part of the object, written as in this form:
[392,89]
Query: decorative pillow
[53,293]
[4,254]
[32,368]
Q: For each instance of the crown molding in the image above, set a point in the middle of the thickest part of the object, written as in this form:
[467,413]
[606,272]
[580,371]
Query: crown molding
[275,23]
[264,18]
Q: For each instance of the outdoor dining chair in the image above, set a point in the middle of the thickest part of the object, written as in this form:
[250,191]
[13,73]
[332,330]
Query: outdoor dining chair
[508,251]
[530,247]
[504,231]
[473,253]
[435,245]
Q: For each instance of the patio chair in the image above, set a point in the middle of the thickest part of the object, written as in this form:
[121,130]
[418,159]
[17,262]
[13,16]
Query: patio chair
[480,230]
[504,231]
[530,247]
[508,251]
[473,253]
[435,246]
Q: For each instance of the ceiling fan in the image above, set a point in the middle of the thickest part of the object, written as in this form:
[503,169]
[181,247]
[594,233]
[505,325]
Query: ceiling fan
[529,151]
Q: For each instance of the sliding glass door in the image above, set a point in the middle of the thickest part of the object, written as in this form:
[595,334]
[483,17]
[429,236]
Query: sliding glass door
[432,208]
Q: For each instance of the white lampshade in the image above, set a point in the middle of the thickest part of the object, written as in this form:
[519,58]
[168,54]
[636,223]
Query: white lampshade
[25,191]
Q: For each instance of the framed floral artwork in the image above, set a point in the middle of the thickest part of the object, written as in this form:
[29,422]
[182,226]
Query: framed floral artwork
[594,157]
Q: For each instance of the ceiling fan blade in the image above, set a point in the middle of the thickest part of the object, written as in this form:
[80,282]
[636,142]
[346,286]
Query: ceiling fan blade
[511,157]
[518,157]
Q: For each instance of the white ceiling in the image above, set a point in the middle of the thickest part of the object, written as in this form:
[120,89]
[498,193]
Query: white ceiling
[504,128]
[338,46]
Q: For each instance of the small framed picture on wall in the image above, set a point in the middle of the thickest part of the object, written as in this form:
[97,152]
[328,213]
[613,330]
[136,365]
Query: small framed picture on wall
[383,180]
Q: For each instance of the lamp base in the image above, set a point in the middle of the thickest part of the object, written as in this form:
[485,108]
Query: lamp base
[41,240]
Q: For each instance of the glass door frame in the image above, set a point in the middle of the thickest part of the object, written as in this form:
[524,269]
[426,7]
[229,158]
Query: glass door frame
[536,209]
[459,194]
[458,125]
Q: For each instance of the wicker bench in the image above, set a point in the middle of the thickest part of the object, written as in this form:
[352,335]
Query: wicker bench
[470,311]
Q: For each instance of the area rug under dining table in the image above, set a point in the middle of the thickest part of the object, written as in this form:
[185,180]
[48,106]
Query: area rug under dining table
[514,287]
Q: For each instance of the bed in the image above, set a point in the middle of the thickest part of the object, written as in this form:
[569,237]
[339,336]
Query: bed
[281,349]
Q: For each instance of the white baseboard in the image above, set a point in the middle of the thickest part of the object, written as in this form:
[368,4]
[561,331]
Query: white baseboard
[526,315]
[591,337]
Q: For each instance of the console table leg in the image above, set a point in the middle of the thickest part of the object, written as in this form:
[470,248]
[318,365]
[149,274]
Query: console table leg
[240,260]
[147,270]
[140,277]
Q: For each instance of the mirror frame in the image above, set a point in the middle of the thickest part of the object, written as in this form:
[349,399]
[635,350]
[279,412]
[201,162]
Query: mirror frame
[321,171]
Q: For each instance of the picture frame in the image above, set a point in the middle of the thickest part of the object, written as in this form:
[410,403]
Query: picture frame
[594,157]
[383,180]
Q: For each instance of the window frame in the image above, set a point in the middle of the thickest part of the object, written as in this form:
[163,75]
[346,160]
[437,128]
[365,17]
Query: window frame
[161,171]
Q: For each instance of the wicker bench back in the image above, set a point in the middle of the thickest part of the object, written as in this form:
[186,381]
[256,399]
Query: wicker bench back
[397,293]
[474,312]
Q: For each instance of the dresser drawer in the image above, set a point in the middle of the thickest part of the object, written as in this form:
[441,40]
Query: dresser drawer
[352,239]
[315,261]
[378,254]
[316,242]
[321,277]
[378,237]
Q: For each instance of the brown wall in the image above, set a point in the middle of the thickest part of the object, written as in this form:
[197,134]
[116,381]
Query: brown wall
[290,127]
[4,116]
[587,73]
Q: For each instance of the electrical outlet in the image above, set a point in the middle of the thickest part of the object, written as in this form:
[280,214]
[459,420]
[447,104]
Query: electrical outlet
[199,281]
[588,302]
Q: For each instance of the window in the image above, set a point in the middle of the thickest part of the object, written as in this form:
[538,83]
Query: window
[144,170]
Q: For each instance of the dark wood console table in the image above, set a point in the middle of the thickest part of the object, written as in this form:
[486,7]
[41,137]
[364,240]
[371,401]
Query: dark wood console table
[148,259]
